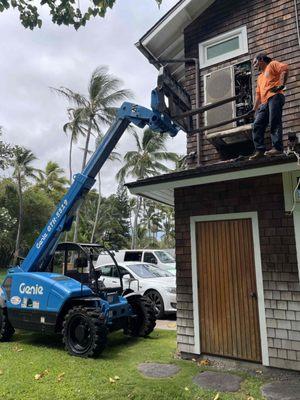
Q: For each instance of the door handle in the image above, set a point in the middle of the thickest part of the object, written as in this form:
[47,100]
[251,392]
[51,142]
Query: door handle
[253,295]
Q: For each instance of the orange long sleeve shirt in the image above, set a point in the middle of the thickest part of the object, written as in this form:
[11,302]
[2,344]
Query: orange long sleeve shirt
[269,78]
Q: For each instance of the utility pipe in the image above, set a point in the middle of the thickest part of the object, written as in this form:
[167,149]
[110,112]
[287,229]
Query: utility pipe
[297,21]
[219,124]
[202,109]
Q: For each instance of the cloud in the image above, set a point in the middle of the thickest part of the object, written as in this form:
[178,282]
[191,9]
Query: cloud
[33,61]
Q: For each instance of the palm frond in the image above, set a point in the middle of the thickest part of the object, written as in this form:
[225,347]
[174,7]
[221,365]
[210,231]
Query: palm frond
[73,97]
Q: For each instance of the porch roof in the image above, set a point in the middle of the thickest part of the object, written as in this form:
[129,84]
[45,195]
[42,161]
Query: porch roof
[165,40]
[161,188]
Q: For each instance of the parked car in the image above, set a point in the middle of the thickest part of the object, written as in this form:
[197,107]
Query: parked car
[160,258]
[158,285]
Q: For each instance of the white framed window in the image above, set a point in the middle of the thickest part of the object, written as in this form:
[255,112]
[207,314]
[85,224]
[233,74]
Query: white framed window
[223,47]
[291,190]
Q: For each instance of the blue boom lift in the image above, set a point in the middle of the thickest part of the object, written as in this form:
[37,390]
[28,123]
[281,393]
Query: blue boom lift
[34,297]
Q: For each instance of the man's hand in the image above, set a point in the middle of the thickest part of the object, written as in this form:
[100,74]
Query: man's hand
[276,89]
[251,112]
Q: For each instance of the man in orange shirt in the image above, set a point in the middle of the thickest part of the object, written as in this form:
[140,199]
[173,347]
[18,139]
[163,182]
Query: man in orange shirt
[268,105]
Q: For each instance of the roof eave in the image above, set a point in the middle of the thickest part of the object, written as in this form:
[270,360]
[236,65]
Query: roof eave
[162,188]
[158,42]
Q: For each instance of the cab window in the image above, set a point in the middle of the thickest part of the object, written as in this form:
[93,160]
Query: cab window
[150,258]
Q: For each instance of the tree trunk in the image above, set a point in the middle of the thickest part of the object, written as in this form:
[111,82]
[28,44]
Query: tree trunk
[70,159]
[135,222]
[87,142]
[70,172]
[86,149]
[20,222]
[98,208]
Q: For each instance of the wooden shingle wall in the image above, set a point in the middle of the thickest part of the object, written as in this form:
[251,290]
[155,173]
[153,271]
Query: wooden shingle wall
[271,27]
[278,254]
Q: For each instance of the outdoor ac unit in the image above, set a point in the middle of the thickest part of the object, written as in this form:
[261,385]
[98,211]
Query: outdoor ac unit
[219,85]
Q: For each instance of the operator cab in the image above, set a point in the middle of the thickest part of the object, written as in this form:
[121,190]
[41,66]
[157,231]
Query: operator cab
[77,261]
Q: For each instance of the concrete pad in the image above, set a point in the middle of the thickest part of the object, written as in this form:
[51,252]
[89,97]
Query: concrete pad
[283,390]
[166,324]
[155,370]
[218,381]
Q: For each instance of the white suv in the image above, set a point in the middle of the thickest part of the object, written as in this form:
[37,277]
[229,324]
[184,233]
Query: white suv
[158,285]
[160,258]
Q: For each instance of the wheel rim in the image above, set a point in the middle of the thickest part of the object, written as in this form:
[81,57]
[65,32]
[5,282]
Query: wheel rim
[155,300]
[79,334]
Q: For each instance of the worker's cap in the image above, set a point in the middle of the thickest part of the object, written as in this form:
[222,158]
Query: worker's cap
[261,57]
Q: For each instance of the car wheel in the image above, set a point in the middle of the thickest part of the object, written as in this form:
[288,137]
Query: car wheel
[157,302]
[145,320]
[84,333]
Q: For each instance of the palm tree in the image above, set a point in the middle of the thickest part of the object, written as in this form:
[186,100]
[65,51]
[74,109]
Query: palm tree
[144,162]
[181,162]
[114,156]
[76,130]
[97,108]
[22,169]
[52,181]
[167,225]
[151,217]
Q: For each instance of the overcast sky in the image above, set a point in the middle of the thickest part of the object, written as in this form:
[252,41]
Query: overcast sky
[31,62]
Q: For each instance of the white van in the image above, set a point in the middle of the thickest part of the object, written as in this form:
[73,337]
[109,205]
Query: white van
[161,258]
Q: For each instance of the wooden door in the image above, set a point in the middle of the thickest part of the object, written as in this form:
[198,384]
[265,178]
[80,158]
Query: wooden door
[228,306]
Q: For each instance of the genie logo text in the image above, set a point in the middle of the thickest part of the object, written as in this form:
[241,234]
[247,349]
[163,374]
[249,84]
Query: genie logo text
[33,290]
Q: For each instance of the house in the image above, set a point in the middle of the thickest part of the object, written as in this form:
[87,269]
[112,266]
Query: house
[237,243]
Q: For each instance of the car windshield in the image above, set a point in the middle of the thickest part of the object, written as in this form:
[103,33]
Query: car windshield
[164,257]
[147,271]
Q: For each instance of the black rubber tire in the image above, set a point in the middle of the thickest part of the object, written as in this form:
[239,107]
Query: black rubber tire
[88,322]
[6,330]
[145,321]
[157,302]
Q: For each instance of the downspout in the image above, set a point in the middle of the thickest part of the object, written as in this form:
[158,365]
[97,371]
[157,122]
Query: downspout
[197,94]
[297,21]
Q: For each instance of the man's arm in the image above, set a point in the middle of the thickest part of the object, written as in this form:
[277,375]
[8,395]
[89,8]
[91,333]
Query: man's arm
[257,102]
[283,70]
[284,77]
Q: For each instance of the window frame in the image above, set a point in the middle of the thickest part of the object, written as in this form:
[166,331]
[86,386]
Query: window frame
[203,46]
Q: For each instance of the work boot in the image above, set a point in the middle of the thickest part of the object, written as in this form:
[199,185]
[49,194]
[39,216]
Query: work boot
[257,155]
[273,152]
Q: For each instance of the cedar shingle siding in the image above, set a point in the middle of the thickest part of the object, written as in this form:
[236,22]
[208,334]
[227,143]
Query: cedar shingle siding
[278,253]
[271,27]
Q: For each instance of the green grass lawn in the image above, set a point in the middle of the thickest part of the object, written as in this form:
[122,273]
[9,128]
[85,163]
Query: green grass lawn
[2,275]
[88,379]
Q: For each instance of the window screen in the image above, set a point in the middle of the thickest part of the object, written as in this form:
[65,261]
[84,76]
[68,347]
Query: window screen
[222,48]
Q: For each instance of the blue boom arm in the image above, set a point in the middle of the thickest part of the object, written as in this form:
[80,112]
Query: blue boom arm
[62,218]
